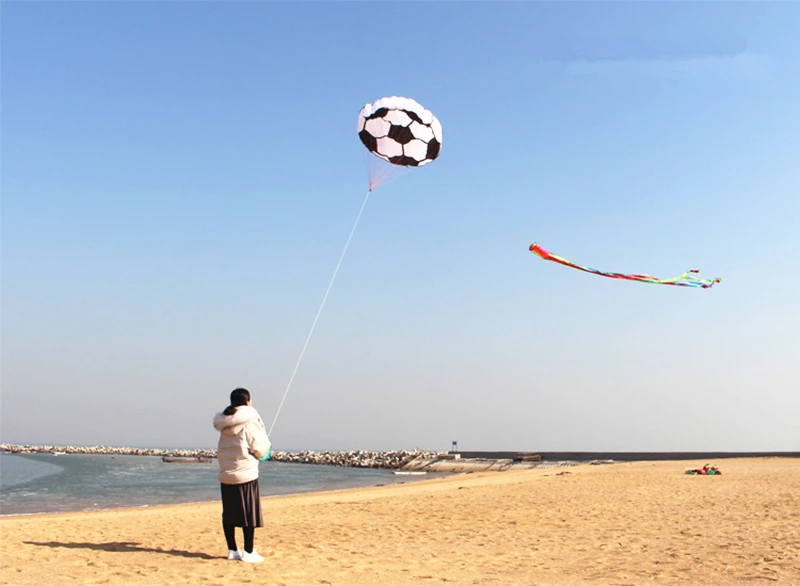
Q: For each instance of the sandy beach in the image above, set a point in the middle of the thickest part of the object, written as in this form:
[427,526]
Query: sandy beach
[631,523]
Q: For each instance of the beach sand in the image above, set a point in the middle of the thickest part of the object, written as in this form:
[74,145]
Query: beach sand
[628,523]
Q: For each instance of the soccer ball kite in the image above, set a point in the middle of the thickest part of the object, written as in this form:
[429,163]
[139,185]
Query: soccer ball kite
[400,131]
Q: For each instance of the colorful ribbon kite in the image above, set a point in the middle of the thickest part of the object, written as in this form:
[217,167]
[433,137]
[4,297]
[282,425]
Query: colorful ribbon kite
[687,279]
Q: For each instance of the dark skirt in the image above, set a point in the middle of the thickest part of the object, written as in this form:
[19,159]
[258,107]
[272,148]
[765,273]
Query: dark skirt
[241,504]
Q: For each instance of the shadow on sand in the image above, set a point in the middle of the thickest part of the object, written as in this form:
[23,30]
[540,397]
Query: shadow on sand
[122,546]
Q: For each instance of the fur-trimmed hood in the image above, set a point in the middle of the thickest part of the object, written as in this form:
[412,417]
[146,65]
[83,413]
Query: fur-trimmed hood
[233,424]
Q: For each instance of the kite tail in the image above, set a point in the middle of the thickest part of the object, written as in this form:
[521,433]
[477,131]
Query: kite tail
[687,279]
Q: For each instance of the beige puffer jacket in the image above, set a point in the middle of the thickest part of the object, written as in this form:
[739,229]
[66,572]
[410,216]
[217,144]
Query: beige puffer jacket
[242,441]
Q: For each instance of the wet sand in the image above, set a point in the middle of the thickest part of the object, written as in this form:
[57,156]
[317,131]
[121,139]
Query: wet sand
[630,523]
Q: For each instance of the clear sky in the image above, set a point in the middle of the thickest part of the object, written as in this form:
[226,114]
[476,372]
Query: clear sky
[179,178]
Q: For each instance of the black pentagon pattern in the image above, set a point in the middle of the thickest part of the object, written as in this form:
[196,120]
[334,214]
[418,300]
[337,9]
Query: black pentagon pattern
[401,134]
[404,161]
[379,113]
[369,141]
[413,116]
[433,149]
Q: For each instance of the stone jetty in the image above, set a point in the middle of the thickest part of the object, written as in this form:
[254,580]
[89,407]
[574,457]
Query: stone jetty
[354,459]
[107,451]
[419,461]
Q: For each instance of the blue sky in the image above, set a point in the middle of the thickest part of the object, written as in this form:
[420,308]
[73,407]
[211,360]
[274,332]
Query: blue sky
[179,178]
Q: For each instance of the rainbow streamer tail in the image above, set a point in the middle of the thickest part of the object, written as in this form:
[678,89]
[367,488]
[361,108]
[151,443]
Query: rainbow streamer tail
[687,279]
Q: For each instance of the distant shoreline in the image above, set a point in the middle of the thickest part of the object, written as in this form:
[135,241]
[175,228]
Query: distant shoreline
[396,459]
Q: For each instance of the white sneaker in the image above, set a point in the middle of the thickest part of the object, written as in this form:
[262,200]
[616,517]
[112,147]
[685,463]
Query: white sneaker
[252,558]
[235,555]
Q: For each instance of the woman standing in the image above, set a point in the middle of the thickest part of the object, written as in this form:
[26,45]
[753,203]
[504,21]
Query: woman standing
[243,441]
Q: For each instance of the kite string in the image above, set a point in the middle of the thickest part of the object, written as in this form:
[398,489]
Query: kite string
[518,238]
[319,311]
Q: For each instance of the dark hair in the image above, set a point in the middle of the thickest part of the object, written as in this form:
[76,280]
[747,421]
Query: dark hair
[239,397]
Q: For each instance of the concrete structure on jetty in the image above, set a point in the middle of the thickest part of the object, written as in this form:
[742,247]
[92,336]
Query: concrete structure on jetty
[457,461]
[485,462]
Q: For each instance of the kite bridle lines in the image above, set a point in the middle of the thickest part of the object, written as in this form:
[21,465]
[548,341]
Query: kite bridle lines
[319,311]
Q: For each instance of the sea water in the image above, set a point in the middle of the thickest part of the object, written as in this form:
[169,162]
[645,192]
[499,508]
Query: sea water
[48,483]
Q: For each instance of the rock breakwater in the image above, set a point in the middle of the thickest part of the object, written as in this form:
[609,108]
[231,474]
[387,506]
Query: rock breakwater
[107,451]
[353,459]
